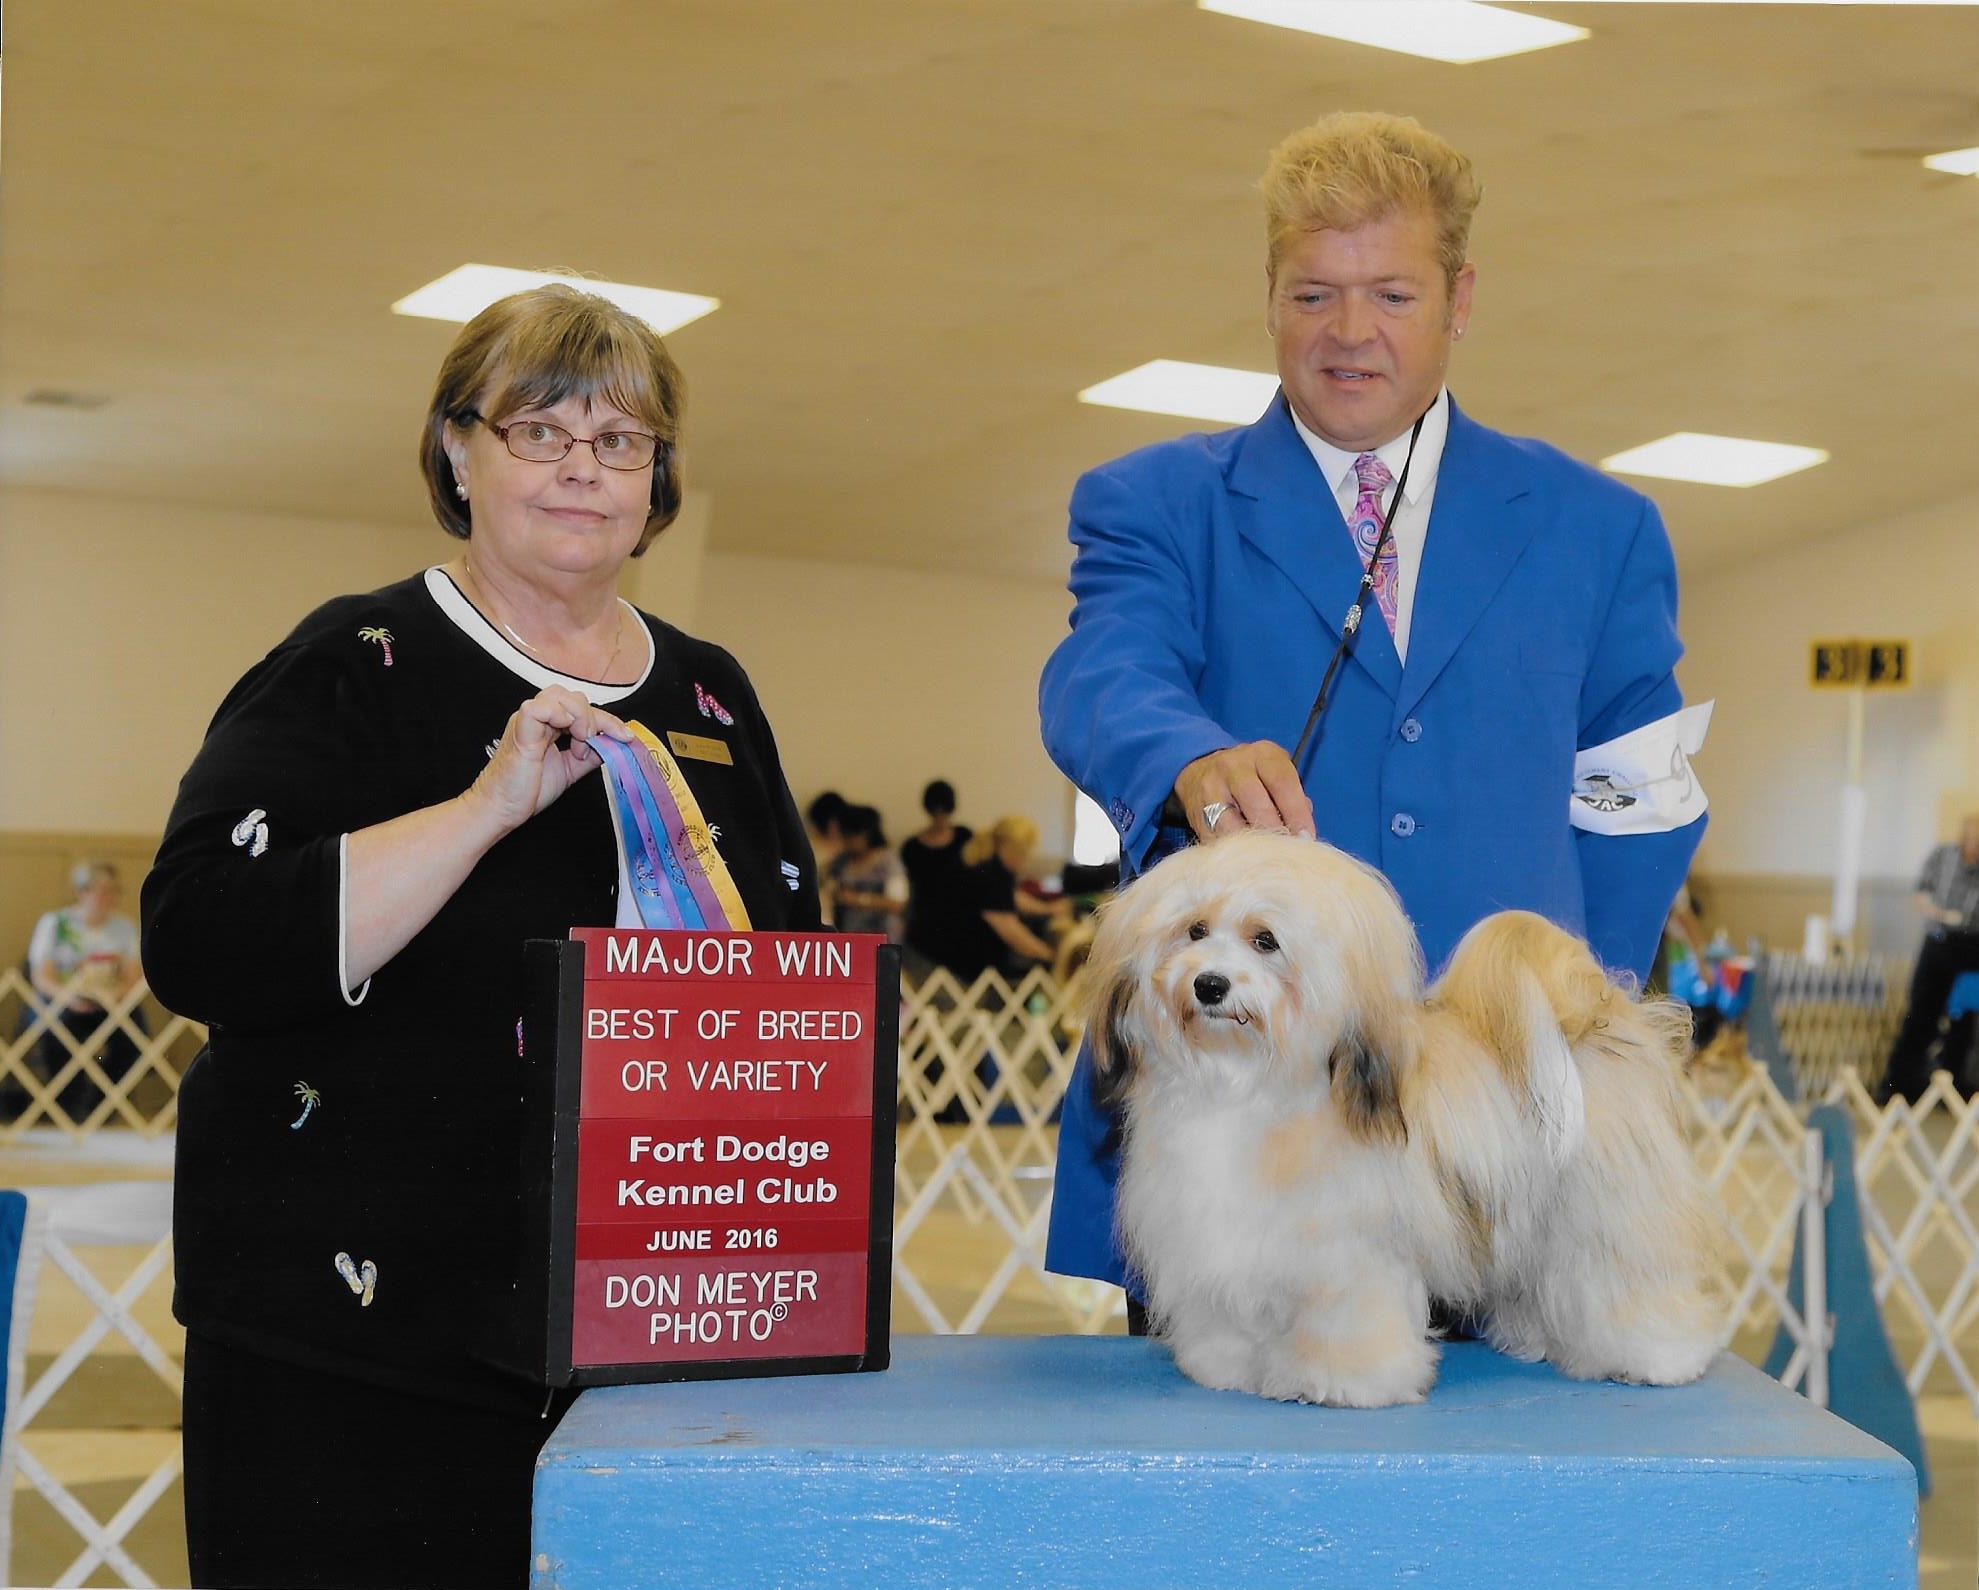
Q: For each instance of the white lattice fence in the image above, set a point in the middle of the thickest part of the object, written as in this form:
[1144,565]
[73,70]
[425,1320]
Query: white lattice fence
[72,1224]
[1918,1170]
[982,1072]
[1836,1019]
[1764,1165]
[26,1063]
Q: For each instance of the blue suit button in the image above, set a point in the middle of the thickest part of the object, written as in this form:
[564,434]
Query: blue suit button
[1403,825]
[1411,730]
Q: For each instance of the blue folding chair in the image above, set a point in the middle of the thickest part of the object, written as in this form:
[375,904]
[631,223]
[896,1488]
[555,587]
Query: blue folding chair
[1963,1001]
[23,1225]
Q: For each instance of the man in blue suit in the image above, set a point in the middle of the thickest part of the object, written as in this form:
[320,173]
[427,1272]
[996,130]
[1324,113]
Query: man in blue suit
[1506,730]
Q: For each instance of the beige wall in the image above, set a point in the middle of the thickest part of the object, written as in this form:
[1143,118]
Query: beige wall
[122,625]
[1777,753]
[878,680]
[1778,749]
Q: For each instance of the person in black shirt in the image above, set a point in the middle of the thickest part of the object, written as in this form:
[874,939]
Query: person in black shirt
[938,909]
[384,809]
[1947,898]
[996,934]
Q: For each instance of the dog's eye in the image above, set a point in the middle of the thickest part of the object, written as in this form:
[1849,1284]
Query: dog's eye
[1264,942]
[1198,930]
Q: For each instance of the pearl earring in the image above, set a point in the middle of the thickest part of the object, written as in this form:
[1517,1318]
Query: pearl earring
[460,491]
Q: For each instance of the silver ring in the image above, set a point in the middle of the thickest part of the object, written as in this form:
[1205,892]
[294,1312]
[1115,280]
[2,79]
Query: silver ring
[1213,811]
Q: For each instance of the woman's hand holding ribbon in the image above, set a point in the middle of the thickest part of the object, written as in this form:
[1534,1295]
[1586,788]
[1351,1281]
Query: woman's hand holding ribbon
[541,754]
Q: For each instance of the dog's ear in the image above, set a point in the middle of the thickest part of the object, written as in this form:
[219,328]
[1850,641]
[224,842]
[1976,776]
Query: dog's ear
[1367,1090]
[1367,1064]
[1116,1060]
[1383,965]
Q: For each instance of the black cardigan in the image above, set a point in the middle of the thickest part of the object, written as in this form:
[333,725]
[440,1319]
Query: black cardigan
[388,1129]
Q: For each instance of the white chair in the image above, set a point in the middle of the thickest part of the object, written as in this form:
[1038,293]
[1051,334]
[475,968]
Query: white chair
[59,1221]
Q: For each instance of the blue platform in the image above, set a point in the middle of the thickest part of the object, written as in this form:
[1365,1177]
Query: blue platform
[1075,1462]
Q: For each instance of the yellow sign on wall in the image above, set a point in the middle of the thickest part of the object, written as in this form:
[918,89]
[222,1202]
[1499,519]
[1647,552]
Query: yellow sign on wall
[1859,664]
[1886,664]
[1834,663]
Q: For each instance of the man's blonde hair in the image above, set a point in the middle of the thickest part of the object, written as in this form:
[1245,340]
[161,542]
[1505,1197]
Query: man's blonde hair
[1357,166]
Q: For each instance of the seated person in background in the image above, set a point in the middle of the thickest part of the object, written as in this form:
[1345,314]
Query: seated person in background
[83,959]
[1947,898]
[997,934]
[938,898]
[869,889]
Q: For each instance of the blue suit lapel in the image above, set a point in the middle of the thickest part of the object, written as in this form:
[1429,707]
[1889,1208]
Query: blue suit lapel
[1474,539]
[1294,520]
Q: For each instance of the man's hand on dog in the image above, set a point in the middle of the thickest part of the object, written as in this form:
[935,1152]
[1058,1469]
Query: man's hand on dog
[1256,786]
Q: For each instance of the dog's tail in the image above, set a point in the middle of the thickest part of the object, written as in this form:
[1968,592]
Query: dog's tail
[1531,994]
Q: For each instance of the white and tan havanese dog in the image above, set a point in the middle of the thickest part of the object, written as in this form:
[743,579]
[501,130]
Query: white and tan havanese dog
[1313,1148]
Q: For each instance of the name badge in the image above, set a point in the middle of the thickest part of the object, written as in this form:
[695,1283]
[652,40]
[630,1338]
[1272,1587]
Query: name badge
[699,748]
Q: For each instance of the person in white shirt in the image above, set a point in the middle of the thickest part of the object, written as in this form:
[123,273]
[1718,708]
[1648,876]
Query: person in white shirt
[82,960]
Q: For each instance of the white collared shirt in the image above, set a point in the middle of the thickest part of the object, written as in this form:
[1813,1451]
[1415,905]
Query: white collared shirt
[1410,527]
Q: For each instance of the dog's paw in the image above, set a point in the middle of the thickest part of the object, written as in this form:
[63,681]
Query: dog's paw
[1222,1363]
[1670,1362]
[1357,1374]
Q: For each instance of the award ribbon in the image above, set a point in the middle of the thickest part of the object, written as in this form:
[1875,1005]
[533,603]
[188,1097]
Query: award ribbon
[678,878]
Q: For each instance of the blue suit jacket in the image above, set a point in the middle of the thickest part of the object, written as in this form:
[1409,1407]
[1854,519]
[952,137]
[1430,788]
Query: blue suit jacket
[1210,579]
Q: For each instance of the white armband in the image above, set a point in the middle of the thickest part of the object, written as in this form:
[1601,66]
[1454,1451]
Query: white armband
[1642,782]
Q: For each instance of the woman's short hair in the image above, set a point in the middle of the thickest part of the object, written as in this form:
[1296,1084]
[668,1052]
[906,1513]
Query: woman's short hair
[1358,166]
[1005,830]
[86,874]
[825,809]
[534,349]
[938,799]
[863,822]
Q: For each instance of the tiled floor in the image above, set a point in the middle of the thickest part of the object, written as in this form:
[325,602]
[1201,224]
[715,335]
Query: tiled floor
[103,1432]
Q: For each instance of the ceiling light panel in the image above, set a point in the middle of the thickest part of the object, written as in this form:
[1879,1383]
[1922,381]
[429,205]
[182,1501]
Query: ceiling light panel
[1959,162]
[1192,391]
[1439,30]
[462,294]
[1714,460]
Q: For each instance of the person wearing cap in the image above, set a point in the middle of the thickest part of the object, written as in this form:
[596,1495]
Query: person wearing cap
[1505,729]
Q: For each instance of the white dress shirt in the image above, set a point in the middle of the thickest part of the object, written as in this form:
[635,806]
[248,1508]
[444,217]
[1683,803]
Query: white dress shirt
[1409,529]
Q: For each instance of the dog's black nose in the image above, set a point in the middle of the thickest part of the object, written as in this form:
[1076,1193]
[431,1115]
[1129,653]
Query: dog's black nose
[1211,987]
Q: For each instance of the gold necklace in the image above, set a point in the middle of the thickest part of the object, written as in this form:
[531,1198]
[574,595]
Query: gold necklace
[485,607]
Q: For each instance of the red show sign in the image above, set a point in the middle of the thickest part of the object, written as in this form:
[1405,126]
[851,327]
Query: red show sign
[728,1114]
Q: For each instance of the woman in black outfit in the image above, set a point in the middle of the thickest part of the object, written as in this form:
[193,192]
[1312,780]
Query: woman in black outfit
[385,808]
[939,908]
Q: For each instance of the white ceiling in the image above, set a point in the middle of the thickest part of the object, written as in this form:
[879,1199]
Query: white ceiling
[931,222]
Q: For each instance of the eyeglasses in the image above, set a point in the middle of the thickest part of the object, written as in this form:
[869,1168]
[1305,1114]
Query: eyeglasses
[540,442]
